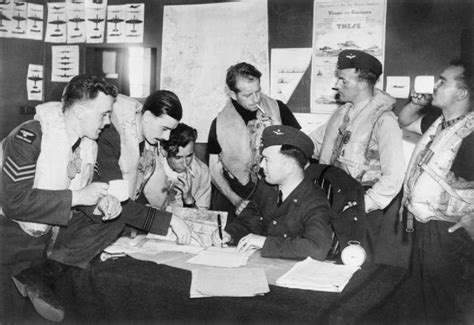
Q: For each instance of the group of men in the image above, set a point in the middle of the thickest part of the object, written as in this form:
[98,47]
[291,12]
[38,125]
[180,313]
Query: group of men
[63,217]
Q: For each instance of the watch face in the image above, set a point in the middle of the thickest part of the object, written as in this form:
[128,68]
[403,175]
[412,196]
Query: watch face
[353,255]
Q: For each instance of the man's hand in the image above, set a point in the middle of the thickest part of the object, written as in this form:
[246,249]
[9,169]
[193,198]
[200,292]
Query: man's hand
[184,186]
[241,206]
[184,232]
[90,194]
[216,239]
[109,206]
[250,241]
[466,222]
[420,99]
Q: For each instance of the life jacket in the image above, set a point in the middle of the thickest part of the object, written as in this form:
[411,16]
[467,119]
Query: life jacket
[57,163]
[359,153]
[431,190]
[135,168]
[240,143]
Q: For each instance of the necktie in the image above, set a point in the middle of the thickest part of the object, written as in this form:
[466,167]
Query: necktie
[280,199]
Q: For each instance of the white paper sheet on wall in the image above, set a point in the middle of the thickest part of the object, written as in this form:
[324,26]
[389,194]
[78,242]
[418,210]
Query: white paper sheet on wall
[56,26]
[18,29]
[134,22]
[35,22]
[116,24]
[200,42]
[76,22]
[398,87]
[65,62]
[340,25]
[287,69]
[34,82]
[95,21]
[6,10]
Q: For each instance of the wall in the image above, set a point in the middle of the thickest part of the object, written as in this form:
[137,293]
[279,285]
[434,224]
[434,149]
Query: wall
[421,37]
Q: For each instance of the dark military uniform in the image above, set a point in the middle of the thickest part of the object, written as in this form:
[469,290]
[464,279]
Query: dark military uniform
[298,228]
[87,235]
[21,201]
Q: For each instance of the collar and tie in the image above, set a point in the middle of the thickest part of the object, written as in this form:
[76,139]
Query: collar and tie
[280,198]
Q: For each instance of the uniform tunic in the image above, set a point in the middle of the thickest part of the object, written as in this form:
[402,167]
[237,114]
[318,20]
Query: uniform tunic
[21,201]
[298,228]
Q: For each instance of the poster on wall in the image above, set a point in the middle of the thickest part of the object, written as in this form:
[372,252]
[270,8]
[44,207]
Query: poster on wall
[34,23]
[34,82]
[56,26]
[116,24]
[197,50]
[18,28]
[287,69]
[340,25]
[6,18]
[96,12]
[76,18]
[134,21]
[65,62]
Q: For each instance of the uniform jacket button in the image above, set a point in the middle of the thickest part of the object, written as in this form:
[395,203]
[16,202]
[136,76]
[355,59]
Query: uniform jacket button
[274,222]
[285,235]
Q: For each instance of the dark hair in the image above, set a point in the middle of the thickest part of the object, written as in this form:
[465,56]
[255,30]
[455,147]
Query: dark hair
[295,153]
[179,137]
[241,69]
[85,87]
[466,77]
[368,76]
[164,102]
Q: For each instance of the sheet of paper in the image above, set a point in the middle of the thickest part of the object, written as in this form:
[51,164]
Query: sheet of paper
[76,27]
[398,87]
[116,23]
[65,62]
[315,275]
[287,69]
[172,246]
[424,84]
[202,222]
[134,21]
[311,121]
[34,82]
[247,282]
[199,44]
[340,25]
[20,18]
[34,24]
[221,257]
[56,27]
[95,20]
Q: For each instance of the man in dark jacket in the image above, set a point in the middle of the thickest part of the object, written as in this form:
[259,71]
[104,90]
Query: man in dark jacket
[289,215]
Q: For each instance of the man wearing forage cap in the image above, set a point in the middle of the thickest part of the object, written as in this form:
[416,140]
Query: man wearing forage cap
[363,138]
[289,215]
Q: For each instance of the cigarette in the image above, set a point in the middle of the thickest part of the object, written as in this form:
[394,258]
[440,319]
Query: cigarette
[260,108]
[190,171]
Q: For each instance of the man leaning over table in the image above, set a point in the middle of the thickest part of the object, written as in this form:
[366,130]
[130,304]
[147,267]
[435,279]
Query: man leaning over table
[47,168]
[289,215]
[126,149]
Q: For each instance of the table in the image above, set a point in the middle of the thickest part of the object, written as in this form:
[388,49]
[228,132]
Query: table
[130,290]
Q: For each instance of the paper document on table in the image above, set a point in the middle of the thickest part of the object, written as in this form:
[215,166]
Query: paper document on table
[156,244]
[244,282]
[222,257]
[320,276]
[202,222]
